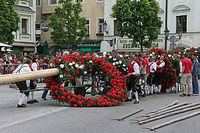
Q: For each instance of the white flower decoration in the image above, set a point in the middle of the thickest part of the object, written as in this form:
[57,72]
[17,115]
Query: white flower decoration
[81,66]
[114,64]
[70,64]
[85,72]
[90,61]
[110,57]
[117,63]
[62,65]
[120,62]
[61,76]
[120,55]
[76,65]
[114,59]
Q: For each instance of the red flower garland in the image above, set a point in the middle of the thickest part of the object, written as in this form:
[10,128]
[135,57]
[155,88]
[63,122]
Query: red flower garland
[115,96]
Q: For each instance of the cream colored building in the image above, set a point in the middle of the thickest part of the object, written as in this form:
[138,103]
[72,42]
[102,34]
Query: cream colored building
[93,11]
[25,37]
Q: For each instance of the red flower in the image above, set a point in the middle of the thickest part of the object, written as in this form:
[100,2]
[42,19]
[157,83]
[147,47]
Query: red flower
[77,72]
[75,105]
[71,78]
[68,97]
[54,97]
[73,99]
[90,69]
[63,97]
[57,61]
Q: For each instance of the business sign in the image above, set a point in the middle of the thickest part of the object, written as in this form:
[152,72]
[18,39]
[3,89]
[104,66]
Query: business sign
[125,44]
[159,43]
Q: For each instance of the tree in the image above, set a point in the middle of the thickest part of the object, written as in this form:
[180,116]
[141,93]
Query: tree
[68,27]
[138,19]
[9,20]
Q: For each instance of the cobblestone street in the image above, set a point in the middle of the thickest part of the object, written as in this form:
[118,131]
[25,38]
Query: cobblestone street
[52,117]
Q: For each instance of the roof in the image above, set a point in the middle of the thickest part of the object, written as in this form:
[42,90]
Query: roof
[23,9]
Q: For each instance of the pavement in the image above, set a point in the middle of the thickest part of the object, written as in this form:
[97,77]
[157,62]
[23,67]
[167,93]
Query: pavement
[52,117]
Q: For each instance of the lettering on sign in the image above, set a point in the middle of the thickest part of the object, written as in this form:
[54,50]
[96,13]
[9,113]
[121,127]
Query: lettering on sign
[125,43]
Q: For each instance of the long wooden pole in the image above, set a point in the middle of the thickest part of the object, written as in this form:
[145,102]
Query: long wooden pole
[175,109]
[170,114]
[12,78]
[167,106]
[122,118]
[175,120]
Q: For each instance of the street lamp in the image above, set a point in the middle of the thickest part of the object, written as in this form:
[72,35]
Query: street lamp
[173,38]
[105,27]
[180,32]
[166,28]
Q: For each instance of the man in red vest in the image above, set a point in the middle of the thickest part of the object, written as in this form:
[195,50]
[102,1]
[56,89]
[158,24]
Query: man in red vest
[133,73]
[145,71]
[158,73]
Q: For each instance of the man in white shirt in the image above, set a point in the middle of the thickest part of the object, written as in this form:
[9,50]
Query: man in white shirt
[133,73]
[158,73]
[23,85]
[33,85]
[153,67]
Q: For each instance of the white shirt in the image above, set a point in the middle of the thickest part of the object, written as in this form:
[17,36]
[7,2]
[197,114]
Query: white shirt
[180,66]
[22,69]
[162,64]
[34,66]
[153,66]
[136,69]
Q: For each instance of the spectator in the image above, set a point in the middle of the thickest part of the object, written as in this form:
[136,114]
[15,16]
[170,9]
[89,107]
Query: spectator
[195,73]
[186,78]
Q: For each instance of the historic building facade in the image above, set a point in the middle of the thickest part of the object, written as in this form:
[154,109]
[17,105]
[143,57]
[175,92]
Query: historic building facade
[181,13]
[25,37]
[93,11]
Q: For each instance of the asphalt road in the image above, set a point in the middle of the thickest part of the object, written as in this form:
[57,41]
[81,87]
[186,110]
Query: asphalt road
[52,117]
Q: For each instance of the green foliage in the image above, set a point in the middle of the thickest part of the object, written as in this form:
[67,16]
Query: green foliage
[9,20]
[68,27]
[138,20]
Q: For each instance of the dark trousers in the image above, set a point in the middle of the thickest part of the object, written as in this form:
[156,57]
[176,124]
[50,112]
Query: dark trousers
[44,94]
[130,82]
[22,86]
[195,85]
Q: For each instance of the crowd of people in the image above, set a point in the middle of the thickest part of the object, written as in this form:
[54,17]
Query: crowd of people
[149,67]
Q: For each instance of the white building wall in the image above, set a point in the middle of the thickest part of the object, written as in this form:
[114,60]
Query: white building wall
[189,39]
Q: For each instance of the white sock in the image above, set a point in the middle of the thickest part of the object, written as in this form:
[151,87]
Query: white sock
[23,96]
[152,88]
[136,96]
[32,95]
[179,87]
[20,96]
[159,88]
[28,97]
[129,94]
[149,89]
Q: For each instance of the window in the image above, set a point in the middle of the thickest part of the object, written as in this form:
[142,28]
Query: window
[37,26]
[78,1]
[100,25]
[88,26]
[100,0]
[53,2]
[38,2]
[24,26]
[181,21]
[116,33]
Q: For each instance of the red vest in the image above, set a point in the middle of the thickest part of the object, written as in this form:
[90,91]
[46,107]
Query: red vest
[131,69]
[159,70]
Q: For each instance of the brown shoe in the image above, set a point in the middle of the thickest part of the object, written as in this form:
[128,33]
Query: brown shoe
[182,95]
